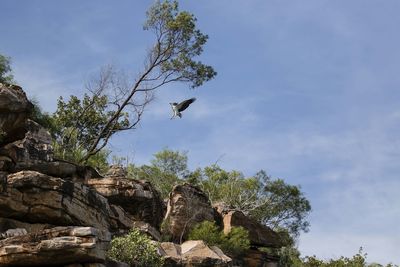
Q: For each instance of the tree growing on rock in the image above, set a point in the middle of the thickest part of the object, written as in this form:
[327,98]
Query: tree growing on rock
[5,70]
[114,103]
[272,202]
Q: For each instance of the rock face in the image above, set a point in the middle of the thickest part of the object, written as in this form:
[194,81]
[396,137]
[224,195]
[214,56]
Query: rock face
[14,110]
[34,148]
[138,198]
[59,245]
[34,197]
[260,235]
[57,213]
[194,253]
[256,258]
[187,206]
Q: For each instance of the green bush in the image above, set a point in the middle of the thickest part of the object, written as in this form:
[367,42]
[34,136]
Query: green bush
[135,249]
[208,232]
[235,242]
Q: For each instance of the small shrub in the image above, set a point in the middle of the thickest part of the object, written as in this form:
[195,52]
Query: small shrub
[208,232]
[135,249]
[236,242]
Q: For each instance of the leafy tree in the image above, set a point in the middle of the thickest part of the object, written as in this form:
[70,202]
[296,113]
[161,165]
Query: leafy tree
[167,169]
[135,249]
[163,182]
[171,162]
[116,104]
[281,205]
[5,70]
[272,202]
[77,123]
[290,257]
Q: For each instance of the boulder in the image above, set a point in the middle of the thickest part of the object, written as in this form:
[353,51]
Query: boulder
[138,198]
[34,147]
[15,108]
[59,245]
[187,206]
[193,253]
[260,235]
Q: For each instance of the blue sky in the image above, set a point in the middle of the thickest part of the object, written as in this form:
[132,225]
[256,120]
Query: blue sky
[307,90]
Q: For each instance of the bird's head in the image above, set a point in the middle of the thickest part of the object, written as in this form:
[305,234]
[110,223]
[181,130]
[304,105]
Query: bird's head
[173,104]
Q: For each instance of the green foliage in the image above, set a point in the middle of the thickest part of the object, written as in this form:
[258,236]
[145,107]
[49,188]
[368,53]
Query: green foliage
[5,70]
[78,122]
[207,231]
[281,205]
[167,169]
[271,202]
[178,43]
[41,117]
[358,260]
[171,162]
[290,257]
[235,242]
[135,249]
[163,182]
[84,126]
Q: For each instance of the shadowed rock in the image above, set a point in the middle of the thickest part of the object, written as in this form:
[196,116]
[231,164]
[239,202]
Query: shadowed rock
[15,108]
[138,198]
[260,235]
[59,245]
[187,206]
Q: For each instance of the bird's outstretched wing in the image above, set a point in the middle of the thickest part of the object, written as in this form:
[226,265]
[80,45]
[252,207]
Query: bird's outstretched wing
[184,104]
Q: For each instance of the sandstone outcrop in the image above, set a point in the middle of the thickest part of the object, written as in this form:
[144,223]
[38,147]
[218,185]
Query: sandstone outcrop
[14,110]
[54,212]
[34,197]
[138,198]
[193,253]
[187,206]
[260,235]
[56,246]
[256,258]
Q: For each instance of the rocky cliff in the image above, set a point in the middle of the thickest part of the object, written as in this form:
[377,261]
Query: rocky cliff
[56,213]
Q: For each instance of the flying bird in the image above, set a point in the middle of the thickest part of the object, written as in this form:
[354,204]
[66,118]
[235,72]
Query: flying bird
[178,108]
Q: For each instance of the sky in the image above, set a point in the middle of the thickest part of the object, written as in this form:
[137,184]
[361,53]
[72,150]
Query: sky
[306,90]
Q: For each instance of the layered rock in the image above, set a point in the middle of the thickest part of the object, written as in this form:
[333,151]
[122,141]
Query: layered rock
[193,253]
[7,223]
[34,197]
[187,206]
[256,258]
[33,148]
[138,198]
[260,235]
[15,108]
[59,245]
